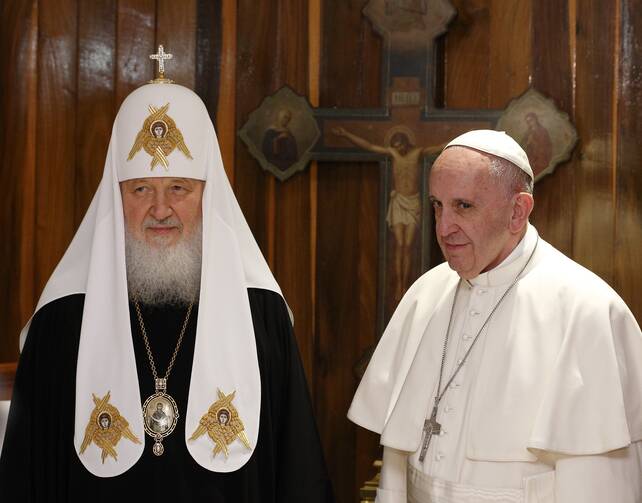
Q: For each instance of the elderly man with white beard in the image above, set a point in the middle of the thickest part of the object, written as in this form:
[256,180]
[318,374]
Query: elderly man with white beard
[160,362]
[509,373]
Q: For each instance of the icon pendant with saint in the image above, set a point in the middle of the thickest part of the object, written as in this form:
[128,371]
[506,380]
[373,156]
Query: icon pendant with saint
[160,415]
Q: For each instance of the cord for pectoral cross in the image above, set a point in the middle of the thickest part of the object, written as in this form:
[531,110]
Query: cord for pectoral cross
[431,426]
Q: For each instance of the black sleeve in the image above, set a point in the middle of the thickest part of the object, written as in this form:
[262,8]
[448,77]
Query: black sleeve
[300,469]
[16,472]
[39,436]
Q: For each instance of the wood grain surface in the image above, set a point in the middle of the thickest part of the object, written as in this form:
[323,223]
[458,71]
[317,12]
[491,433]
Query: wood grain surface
[552,75]
[628,217]
[347,248]
[18,94]
[69,64]
[95,110]
[593,229]
[56,155]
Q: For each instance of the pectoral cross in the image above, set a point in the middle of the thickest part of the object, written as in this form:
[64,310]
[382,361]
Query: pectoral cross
[431,427]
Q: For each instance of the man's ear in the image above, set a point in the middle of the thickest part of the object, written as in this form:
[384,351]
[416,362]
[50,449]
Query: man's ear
[522,207]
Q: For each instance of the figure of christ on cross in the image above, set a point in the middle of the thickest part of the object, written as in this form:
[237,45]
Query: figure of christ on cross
[404,206]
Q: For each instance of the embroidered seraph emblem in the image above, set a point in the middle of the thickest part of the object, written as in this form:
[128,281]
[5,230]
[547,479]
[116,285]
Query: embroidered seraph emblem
[106,427]
[159,136]
[223,424]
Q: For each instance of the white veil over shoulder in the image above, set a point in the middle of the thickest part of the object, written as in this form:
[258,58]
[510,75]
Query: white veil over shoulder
[94,264]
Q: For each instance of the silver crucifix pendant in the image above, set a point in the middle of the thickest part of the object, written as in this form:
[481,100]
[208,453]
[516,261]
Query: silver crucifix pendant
[431,427]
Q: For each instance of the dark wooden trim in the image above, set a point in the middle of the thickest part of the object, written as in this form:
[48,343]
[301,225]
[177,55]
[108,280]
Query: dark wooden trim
[208,53]
[7,378]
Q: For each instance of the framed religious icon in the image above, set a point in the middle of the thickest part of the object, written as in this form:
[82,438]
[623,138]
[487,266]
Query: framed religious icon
[545,133]
[281,133]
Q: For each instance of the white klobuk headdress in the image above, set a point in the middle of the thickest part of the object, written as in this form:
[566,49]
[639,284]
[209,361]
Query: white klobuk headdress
[164,130]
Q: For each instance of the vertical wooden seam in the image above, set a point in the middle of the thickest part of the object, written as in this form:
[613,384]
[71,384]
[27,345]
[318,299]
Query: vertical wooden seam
[76,133]
[270,219]
[27,274]
[314,64]
[270,196]
[617,46]
[226,106]
[572,31]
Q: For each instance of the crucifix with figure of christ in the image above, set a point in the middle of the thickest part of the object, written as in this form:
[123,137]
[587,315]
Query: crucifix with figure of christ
[404,137]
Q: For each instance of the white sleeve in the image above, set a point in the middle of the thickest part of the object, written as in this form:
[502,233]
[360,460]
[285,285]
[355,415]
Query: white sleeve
[392,485]
[614,476]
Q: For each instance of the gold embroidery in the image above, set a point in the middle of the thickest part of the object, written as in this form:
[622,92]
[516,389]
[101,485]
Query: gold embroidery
[159,136]
[106,427]
[223,424]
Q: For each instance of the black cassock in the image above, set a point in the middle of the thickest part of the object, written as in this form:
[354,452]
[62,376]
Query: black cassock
[39,461]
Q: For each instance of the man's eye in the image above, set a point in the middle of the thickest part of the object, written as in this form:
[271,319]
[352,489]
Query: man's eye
[140,189]
[435,204]
[464,206]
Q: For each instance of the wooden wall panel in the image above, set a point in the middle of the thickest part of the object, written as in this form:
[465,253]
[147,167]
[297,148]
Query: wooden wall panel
[257,47]
[95,103]
[176,31]
[510,51]
[552,75]
[18,44]
[628,230]
[486,60]
[135,42]
[292,199]
[346,251]
[208,54]
[55,134]
[226,106]
[366,442]
[593,231]
[467,59]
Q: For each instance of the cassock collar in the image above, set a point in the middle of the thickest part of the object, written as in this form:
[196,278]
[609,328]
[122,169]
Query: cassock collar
[505,272]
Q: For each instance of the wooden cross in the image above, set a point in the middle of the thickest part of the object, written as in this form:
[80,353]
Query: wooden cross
[160,58]
[403,136]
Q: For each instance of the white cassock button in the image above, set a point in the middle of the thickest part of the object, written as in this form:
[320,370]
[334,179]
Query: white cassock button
[460,361]
[474,313]
[439,456]
[455,385]
[442,432]
[467,337]
[448,408]
[481,291]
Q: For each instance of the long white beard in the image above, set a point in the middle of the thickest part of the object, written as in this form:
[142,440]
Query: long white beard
[164,274]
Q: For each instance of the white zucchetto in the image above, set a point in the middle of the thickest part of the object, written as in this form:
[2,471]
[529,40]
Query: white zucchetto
[496,143]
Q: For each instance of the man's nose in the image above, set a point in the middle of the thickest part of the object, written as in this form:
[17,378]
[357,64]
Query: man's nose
[444,223]
[160,209]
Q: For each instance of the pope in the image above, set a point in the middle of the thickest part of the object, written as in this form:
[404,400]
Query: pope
[509,373]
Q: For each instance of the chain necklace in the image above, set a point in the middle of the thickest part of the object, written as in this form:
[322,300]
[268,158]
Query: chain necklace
[431,426]
[160,412]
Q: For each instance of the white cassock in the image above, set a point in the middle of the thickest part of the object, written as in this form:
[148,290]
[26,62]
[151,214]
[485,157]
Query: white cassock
[548,406]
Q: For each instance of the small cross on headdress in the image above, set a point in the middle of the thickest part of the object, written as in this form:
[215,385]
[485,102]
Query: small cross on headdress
[160,58]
